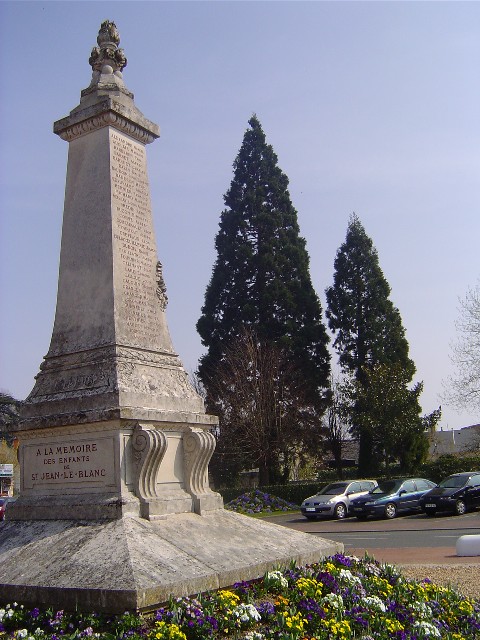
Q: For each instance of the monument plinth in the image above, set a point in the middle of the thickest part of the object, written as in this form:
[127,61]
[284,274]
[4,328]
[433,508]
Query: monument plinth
[115,509]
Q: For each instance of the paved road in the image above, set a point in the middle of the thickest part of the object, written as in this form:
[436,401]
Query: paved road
[407,539]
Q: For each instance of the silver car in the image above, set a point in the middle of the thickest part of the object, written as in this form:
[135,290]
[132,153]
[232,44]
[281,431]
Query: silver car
[335,499]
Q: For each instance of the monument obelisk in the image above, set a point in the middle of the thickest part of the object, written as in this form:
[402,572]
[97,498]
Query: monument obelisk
[111,371]
[115,510]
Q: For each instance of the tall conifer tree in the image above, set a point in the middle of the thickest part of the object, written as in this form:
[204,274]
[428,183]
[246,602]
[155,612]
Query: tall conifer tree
[261,278]
[367,326]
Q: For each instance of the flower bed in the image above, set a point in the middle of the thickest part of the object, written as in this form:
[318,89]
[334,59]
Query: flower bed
[257,501]
[341,598]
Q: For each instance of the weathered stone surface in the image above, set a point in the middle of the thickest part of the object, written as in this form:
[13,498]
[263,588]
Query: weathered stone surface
[132,563]
[102,470]
[110,345]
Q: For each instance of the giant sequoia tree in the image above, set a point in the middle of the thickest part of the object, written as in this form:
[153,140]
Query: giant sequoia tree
[261,279]
[367,326]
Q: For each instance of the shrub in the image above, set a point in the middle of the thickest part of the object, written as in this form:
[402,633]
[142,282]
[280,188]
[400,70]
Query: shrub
[447,464]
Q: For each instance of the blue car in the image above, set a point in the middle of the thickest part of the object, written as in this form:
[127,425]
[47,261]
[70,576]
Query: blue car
[392,497]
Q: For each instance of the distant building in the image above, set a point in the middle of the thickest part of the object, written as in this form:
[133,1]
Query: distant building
[6,479]
[350,449]
[454,441]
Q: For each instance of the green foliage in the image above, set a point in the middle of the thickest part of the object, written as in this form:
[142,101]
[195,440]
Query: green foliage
[9,415]
[261,284]
[392,416]
[367,326]
[447,464]
[8,454]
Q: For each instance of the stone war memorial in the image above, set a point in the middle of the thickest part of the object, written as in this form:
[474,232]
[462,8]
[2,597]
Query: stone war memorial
[115,511]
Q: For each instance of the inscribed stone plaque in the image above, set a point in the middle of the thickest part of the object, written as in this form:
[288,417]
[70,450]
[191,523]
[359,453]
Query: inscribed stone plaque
[58,463]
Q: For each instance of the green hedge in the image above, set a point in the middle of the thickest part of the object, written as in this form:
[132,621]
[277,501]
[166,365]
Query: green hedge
[447,464]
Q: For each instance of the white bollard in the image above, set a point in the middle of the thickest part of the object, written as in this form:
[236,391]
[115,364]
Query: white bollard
[468,545]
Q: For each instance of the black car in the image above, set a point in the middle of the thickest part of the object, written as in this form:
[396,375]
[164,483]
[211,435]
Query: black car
[392,497]
[458,493]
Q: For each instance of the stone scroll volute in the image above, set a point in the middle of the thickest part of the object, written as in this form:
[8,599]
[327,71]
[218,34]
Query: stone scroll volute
[198,448]
[149,447]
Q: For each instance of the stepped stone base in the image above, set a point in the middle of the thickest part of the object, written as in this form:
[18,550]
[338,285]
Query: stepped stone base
[136,564]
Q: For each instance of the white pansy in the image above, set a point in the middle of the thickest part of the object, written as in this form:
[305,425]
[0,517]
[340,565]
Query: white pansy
[422,609]
[374,602]
[246,613]
[333,600]
[372,569]
[427,629]
[277,577]
[348,577]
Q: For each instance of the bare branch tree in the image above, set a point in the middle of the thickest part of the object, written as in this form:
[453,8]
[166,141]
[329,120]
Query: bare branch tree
[261,397]
[336,422]
[463,388]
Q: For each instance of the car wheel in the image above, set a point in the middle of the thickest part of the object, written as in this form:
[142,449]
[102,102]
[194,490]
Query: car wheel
[460,508]
[430,512]
[340,511]
[390,510]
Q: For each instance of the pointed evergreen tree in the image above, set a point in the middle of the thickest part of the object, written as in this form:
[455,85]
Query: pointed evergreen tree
[367,326]
[261,278]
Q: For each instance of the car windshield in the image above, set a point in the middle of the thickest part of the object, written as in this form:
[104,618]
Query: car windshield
[453,482]
[334,489]
[389,486]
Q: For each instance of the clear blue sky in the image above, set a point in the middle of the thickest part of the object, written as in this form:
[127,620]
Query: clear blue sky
[372,107]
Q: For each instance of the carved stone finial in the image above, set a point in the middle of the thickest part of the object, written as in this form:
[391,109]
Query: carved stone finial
[108,33]
[107,54]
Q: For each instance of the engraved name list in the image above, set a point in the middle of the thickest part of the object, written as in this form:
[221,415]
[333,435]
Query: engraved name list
[134,236]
